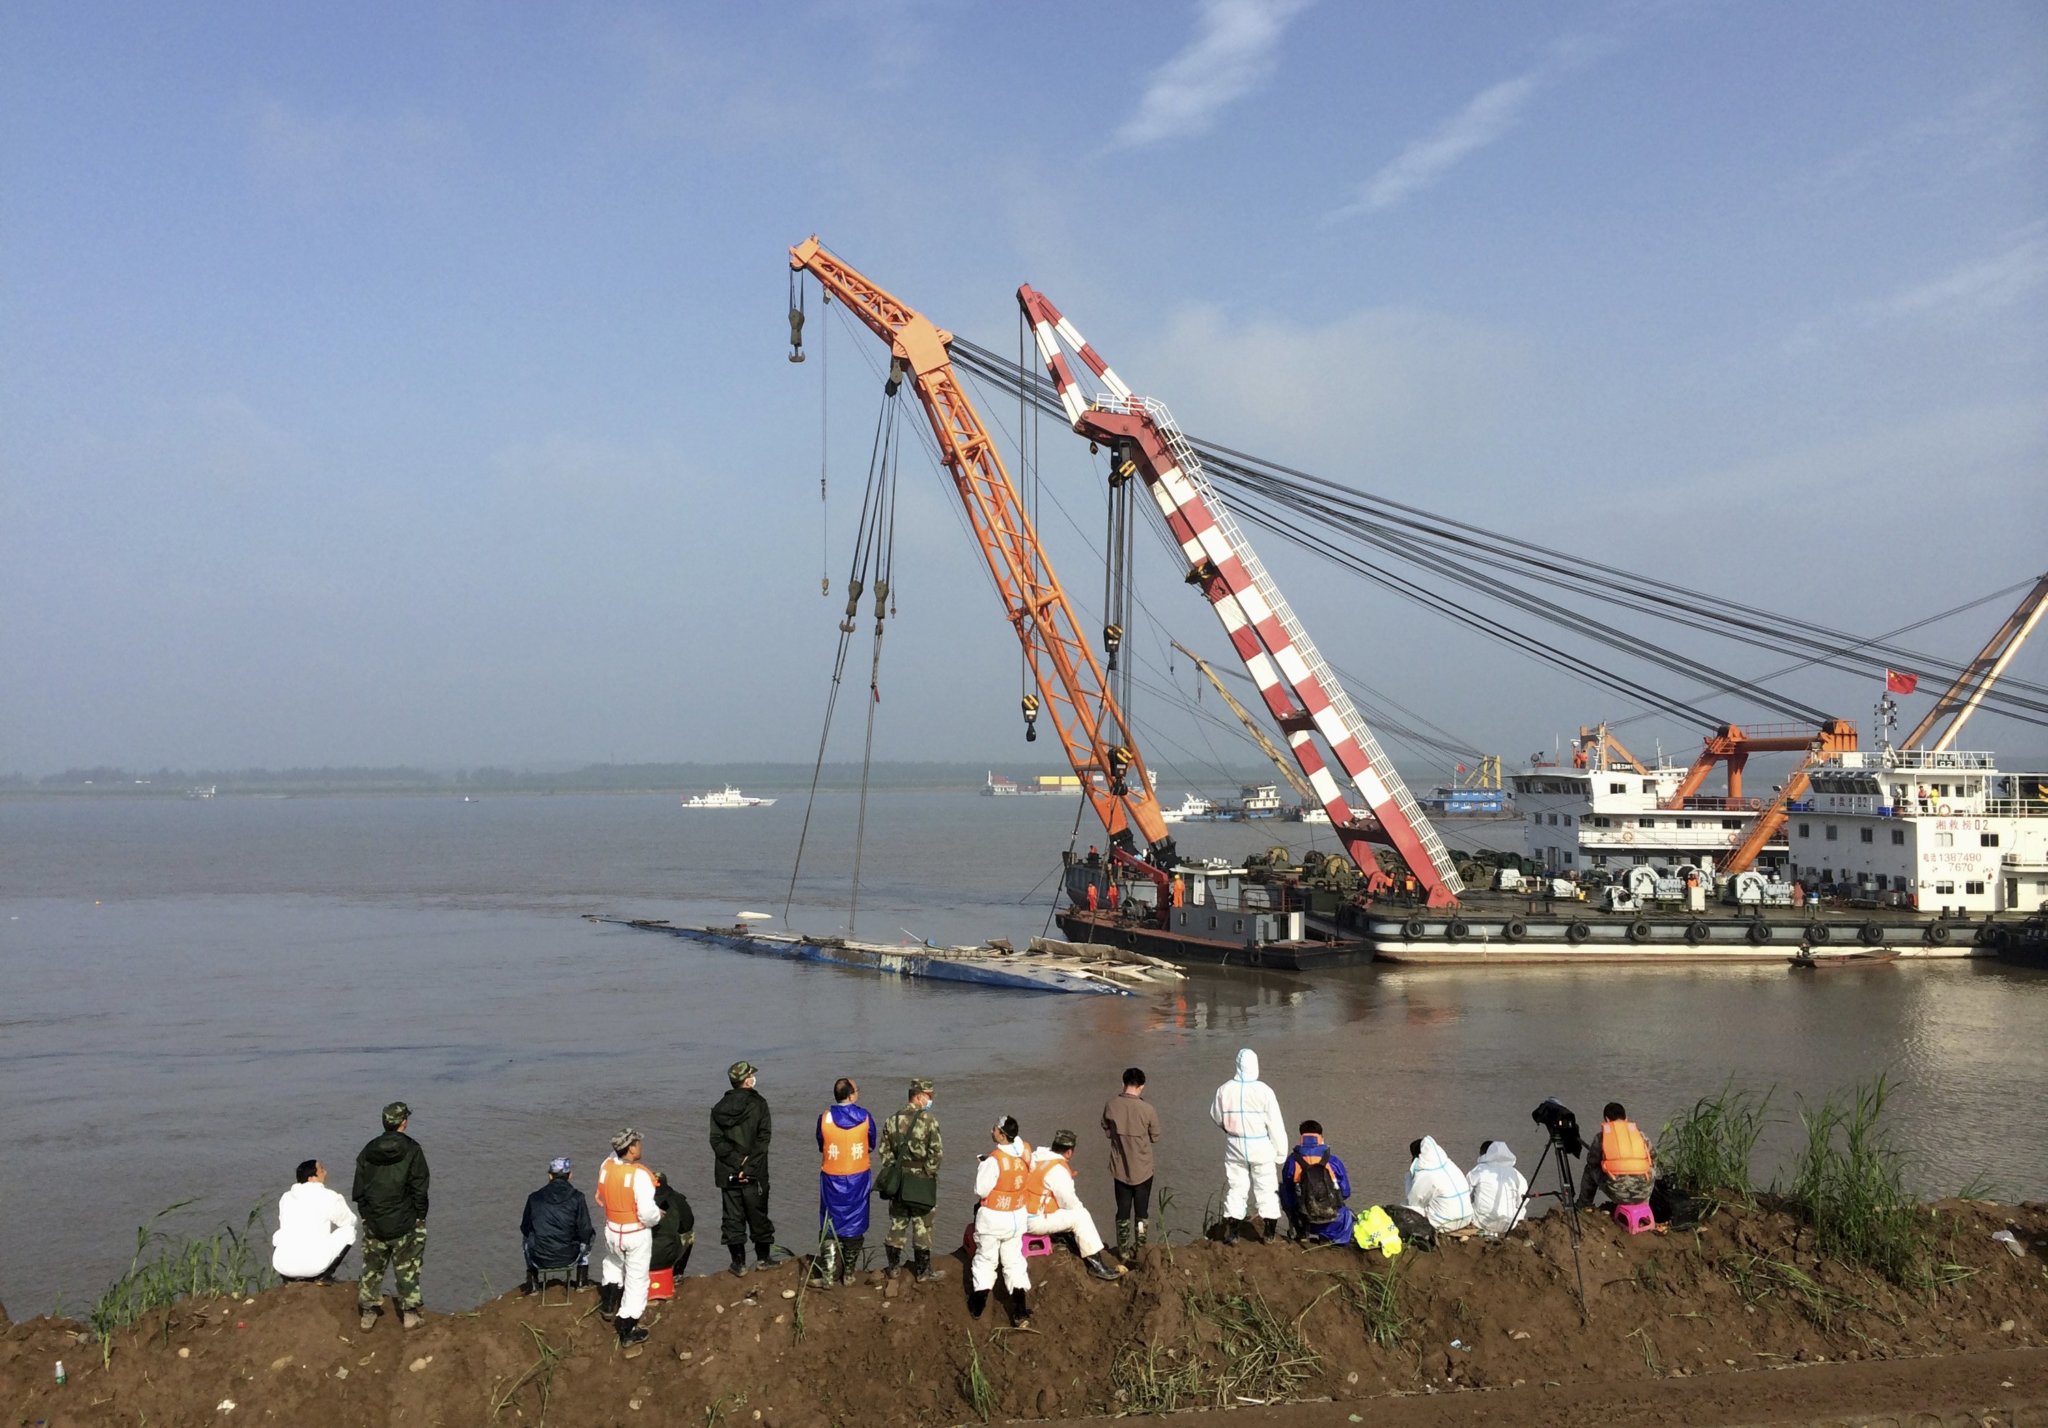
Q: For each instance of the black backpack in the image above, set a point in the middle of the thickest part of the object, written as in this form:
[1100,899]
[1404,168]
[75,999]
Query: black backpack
[1315,1191]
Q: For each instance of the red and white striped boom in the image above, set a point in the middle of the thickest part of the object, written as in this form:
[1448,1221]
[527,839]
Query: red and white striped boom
[1299,688]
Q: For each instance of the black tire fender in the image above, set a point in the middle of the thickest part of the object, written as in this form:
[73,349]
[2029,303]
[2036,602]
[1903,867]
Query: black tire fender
[1759,933]
[1818,932]
[1639,931]
[1938,934]
[1514,930]
[1697,932]
[1576,932]
[1414,929]
[1870,934]
[1455,930]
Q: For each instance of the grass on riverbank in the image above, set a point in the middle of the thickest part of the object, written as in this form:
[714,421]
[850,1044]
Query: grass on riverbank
[226,1262]
[1707,1150]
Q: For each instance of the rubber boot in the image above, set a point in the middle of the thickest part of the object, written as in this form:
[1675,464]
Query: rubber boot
[1141,1234]
[825,1266]
[608,1298]
[1101,1268]
[850,1252]
[1126,1238]
[1230,1232]
[1270,1230]
[739,1260]
[1020,1309]
[977,1301]
[630,1333]
[895,1261]
[921,1268]
[767,1256]
[532,1284]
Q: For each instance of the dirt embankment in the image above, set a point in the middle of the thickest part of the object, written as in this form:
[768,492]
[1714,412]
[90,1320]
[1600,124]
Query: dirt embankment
[1473,1332]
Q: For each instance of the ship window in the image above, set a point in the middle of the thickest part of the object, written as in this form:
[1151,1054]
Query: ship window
[1831,832]
[1212,923]
[1649,786]
[1737,823]
[1603,822]
[1600,860]
[1898,837]
[1974,889]
[1617,788]
[1869,835]
[1553,820]
[1536,818]
[1240,924]
[1646,823]
[1987,840]
[1685,823]
[1944,840]
[1567,820]
[1944,889]
[1880,882]
[1567,860]
[1806,830]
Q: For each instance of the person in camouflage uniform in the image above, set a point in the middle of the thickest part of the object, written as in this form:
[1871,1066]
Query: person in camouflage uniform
[911,1146]
[390,1193]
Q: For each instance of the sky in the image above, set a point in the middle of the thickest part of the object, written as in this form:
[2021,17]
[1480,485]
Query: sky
[408,384]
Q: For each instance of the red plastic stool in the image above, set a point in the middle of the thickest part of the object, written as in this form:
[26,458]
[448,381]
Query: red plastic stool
[1636,1218]
[661,1284]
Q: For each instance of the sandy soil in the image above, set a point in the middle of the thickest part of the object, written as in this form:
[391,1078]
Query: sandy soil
[1736,1323]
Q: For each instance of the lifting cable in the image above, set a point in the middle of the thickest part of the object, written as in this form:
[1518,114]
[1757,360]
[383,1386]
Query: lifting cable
[824,450]
[873,559]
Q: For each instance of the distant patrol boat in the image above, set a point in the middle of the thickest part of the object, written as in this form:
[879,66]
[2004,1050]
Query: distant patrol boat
[727,797]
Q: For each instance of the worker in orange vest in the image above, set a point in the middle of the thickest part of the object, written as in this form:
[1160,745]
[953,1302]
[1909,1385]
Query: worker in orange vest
[625,1192]
[1004,1195]
[1115,897]
[1619,1162]
[1056,1207]
[1093,898]
[1180,891]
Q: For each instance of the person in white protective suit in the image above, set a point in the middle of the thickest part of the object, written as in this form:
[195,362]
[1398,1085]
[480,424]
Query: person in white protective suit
[1255,1142]
[1437,1188]
[1056,1206]
[1499,1191]
[315,1227]
[1001,1185]
[625,1192]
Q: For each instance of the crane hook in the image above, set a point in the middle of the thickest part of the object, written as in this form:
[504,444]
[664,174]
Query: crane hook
[1030,706]
[897,372]
[796,318]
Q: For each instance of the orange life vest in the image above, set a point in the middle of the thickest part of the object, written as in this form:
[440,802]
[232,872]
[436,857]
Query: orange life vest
[1013,1166]
[1623,1151]
[615,1192]
[846,1151]
[1037,1199]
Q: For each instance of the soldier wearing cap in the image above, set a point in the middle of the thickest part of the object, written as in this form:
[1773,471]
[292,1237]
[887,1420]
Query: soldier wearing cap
[1055,1206]
[910,1153]
[390,1192]
[740,1130]
[555,1229]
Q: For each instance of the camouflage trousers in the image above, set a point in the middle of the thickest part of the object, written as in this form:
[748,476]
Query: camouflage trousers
[405,1255]
[903,1225]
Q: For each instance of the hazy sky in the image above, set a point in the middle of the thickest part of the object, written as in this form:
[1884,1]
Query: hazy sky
[393,382]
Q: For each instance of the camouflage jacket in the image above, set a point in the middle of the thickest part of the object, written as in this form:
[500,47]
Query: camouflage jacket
[911,1138]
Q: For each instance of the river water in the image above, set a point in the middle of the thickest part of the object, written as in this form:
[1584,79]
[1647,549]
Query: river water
[194,996]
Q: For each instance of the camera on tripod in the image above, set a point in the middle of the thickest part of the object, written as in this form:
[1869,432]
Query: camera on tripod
[1557,1118]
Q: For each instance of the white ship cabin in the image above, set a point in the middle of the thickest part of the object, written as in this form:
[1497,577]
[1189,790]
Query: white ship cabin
[1912,828]
[1584,820]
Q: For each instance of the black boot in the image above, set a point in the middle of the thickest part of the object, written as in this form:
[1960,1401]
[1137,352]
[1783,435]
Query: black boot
[608,1298]
[922,1271]
[683,1264]
[850,1252]
[977,1300]
[532,1284]
[767,1256]
[825,1266]
[1126,1238]
[1100,1268]
[630,1333]
[895,1261]
[739,1260]
[1271,1230]
[1230,1232]
[1020,1309]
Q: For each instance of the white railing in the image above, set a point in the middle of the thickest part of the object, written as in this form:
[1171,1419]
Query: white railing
[1347,713]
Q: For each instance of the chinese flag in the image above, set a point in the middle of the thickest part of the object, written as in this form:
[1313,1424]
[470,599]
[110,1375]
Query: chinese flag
[1896,683]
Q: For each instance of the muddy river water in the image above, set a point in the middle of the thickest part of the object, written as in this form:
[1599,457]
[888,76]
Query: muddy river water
[194,996]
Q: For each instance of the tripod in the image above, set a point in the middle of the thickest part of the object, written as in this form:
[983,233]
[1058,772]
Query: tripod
[1567,1199]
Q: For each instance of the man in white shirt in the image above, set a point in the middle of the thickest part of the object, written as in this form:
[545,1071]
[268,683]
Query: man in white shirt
[315,1228]
[1057,1206]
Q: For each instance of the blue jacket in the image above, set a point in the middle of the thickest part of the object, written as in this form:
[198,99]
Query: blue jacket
[843,1199]
[556,1226]
[1338,1231]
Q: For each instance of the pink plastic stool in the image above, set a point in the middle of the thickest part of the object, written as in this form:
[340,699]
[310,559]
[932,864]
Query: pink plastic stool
[1036,1245]
[1636,1217]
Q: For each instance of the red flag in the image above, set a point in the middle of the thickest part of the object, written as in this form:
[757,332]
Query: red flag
[1895,683]
[1461,768]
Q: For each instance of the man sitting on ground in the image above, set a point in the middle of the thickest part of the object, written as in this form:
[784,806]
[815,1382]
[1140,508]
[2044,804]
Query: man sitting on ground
[1618,1162]
[555,1228]
[1313,1188]
[1499,1190]
[1437,1188]
[1056,1206]
[315,1228]
[676,1235]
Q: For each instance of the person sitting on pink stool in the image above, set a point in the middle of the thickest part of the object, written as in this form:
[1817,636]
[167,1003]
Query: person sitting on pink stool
[1619,1162]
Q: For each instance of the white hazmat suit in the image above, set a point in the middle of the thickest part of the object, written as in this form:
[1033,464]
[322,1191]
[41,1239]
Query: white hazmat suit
[314,1226]
[1438,1188]
[629,1248]
[1498,1189]
[998,1234]
[1068,1213]
[1255,1140]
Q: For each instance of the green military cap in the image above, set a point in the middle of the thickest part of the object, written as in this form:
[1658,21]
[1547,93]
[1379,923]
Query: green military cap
[739,1071]
[396,1114]
[1064,1140]
[923,1083]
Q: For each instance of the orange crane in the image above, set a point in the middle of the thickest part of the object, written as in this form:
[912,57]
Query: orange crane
[1071,690]
[1837,736]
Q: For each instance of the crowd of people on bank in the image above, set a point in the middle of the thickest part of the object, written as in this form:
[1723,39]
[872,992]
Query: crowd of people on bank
[1025,1197]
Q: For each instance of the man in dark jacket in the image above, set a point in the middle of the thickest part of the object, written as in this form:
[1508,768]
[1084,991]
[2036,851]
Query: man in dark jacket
[676,1235]
[390,1193]
[555,1227]
[739,1146]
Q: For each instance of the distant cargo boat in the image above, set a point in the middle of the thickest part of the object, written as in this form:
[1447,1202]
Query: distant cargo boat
[1043,786]
[727,797]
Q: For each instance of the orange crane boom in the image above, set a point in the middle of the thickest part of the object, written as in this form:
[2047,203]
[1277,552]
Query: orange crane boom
[1091,727]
